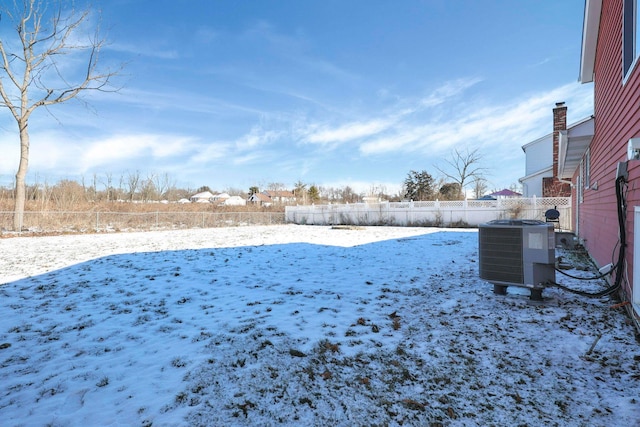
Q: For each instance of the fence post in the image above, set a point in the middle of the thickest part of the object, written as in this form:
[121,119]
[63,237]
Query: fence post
[466,210]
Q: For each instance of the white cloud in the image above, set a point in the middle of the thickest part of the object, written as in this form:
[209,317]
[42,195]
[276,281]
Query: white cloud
[448,90]
[138,49]
[294,47]
[506,126]
[210,151]
[57,152]
[175,100]
[391,129]
[349,131]
[248,158]
[128,147]
[257,137]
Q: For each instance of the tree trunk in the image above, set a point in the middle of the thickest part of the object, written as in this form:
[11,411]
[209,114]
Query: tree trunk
[20,191]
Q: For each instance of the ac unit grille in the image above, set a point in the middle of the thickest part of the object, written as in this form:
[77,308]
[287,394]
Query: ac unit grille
[500,253]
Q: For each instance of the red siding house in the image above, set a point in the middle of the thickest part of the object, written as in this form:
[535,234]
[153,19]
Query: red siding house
[606,172]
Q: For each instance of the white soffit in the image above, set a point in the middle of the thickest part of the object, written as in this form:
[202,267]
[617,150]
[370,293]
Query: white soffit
[572,144]
[590,27]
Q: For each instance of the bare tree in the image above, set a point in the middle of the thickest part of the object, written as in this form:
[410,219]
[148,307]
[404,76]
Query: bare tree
[121,191]
[480,187]
[133,184]
[148,190]
[67,193]
[91,190]
[31,74]
[163,183]
[378,190]
[108,184]
[347,195]
[275,186]
[466,167]
[235,191]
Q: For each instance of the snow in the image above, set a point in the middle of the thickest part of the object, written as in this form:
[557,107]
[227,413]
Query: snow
[299,325]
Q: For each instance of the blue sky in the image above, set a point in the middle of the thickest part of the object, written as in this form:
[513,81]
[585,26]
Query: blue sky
[232,94]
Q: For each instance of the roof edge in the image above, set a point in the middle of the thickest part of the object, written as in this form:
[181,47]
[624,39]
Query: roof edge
[546,171]
[550,135]
[590,27]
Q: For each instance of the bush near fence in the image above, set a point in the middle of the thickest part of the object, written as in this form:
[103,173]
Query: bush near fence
[462,213]
[139,217]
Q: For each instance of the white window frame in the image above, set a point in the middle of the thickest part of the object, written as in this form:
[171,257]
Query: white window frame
[630,37]
[580,187]
[635,297]
[587,168]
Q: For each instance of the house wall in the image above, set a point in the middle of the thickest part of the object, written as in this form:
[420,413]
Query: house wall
[532,185]
[538,155]
[617,118]
[538,165]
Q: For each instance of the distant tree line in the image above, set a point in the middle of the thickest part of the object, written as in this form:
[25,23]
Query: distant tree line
[464,168]
[133,186]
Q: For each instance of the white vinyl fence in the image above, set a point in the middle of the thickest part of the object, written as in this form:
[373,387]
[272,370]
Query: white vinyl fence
[462,213]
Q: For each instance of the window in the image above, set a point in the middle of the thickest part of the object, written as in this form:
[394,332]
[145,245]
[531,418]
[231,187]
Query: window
[630,36]
[580,180]
[587,168]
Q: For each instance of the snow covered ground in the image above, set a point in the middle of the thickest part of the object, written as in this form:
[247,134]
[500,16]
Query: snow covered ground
[299,325]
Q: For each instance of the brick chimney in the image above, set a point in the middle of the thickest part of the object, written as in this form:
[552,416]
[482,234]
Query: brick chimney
[552,186]
[559,123]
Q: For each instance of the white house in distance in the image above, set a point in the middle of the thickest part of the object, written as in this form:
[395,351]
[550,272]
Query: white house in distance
[235,201]
[204,197]
[218,199]
[542,156]
[270,197]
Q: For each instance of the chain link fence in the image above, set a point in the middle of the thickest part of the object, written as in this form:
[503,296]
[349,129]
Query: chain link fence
[85,222]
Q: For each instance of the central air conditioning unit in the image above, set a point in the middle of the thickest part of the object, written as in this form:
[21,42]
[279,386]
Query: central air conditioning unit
[517,252]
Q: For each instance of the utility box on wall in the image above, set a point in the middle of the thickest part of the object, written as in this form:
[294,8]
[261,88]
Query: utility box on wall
[517,252]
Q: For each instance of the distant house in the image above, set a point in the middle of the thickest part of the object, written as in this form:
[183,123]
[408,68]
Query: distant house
[545,158]
[260,199]
[234,201]
[219,197]
[504,194]
[280,197]
[372,199]
[204,197]
[271,197]
[606,172]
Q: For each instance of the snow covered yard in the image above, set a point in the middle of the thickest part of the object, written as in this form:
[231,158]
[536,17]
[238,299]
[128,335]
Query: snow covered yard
[299,325]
